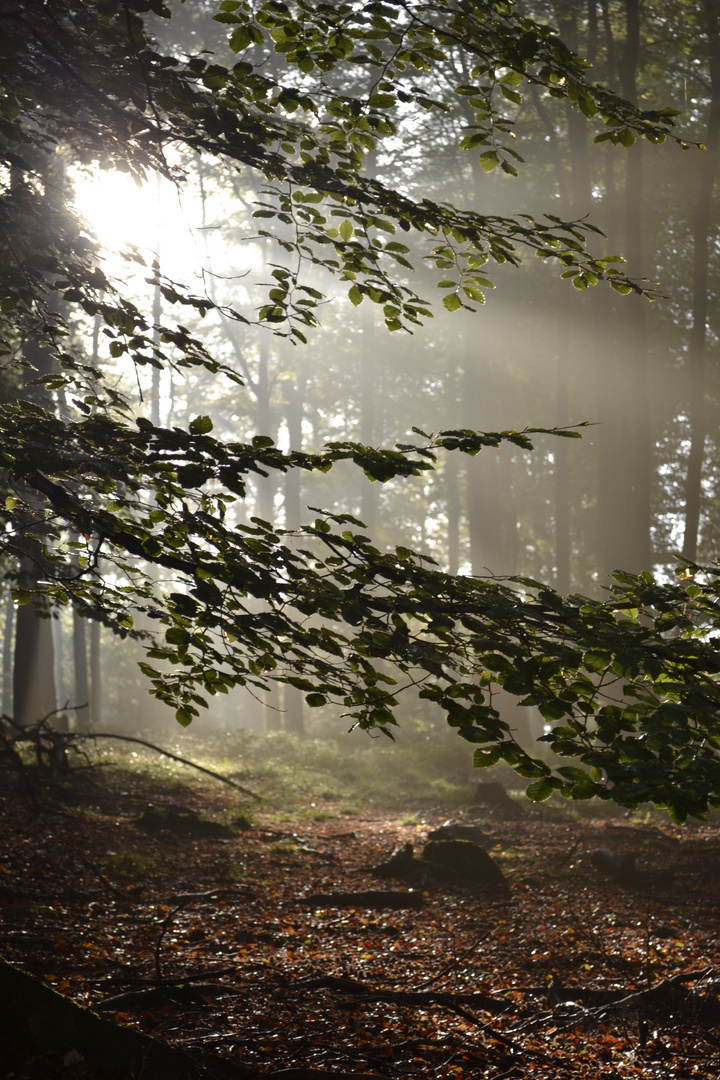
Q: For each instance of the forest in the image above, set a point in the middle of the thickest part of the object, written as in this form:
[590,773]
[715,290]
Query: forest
[357,393]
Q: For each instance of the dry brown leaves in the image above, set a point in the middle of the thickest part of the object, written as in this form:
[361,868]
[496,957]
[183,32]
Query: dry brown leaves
[98,907]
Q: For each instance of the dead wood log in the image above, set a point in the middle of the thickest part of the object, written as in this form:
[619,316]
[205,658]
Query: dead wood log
[375,899]
[495,1006]
[182,995]
[670,997]
[304,1073]
[182,822]
[36,1021]
[456,1003]
[174,757]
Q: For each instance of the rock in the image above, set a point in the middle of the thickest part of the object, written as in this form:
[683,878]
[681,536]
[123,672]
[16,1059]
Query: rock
[465,860]
[455,830]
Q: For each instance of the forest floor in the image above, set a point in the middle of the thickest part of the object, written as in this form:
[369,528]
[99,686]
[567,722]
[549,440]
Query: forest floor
[572,974]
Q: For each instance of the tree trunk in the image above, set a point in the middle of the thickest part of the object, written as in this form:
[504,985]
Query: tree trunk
[702,240]
[95,675]
[82,696]
[569,347]
[369,428]
[265,505]
[33,675]
[7,696]
[611,433]
[156,315]
[294,393]
[451,477]
[484,503]
[562,470]
[635,507]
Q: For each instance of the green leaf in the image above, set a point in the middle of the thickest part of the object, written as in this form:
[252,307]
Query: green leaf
[177,635]
[201,425]
[489,161]
[316,701]
[240,39]
[540,790]
[587,106]
[452,302]
[677,813]
[513,78]
[184,717]
[381,101]
[355,295]
[346,230]
[483,759]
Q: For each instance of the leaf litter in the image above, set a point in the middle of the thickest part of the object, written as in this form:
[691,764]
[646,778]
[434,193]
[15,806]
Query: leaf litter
[208,942]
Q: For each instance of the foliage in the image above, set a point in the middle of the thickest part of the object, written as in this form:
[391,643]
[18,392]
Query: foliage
[627,684]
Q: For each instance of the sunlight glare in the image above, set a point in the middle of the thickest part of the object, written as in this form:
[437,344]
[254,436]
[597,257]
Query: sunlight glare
[149,216]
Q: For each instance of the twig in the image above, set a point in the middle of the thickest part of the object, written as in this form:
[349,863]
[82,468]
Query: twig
[167,753]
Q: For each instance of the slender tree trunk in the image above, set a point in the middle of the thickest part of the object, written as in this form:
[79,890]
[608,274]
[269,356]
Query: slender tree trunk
[265,484]
[292,697]
[369,427]
[703,239]
[562,470]
[612,485]
[640,464]
[56,630]
[33,674]
[95,675]
[485,507]
[293,419]
[82,696]
[157,315]
[7,696]
[571,346]
[265,502]
[452,486]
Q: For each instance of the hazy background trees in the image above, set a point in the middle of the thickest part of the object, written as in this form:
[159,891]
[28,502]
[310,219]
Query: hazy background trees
[642,485]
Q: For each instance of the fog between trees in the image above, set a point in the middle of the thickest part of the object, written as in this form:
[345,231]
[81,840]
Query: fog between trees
[635,492]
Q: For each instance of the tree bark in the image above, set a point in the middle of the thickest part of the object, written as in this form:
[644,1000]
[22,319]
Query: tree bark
[33,677]
[484,502]
[702,240]
[569,348]
[95,675]
[452,487]
[370,434]
[7,695]
[636,513]
[82,695]
[294,720]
